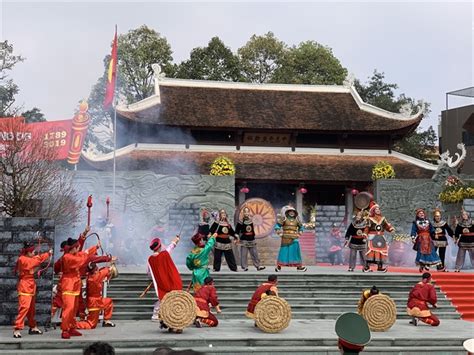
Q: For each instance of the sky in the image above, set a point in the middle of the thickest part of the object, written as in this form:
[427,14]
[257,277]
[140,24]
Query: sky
[424,47]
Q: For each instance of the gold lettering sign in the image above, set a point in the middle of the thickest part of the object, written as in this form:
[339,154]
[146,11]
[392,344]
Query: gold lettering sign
[279,139]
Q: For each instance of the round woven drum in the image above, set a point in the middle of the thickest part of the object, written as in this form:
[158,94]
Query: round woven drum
[178,309]
[380,312]
[272,314]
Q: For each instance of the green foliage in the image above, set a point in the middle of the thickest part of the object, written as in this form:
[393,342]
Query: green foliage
[137,51]
[420,144]
[310,63]
[381,94]
[261,57]
[33,115]
[8,89]
[214,62]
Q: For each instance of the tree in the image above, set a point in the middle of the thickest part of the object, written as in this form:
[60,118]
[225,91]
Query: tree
[32,182]
[381,94]
[310,63]
[33,115]
[261,57]
[420,144]
[8,89]
[137,51]
[214,62]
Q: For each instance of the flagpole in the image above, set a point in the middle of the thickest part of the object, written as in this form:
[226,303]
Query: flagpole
[115,132]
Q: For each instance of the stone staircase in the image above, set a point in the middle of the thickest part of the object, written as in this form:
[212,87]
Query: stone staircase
[311,296]
[317,299]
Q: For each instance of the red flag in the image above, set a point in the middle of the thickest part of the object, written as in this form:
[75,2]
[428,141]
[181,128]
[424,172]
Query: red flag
[111,74]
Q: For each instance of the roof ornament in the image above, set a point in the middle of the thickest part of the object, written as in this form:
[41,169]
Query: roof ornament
[349,80]
[158,74]
[406,109]
[445,157]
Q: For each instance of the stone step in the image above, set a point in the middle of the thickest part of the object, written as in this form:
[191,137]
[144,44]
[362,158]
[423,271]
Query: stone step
[282,285]
[304,314]
[264,350]
[188,341]
[229,299]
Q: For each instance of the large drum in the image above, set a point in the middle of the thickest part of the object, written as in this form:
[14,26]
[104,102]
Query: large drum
[263,216]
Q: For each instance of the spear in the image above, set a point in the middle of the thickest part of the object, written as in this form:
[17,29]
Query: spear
[107,202]
[89,206]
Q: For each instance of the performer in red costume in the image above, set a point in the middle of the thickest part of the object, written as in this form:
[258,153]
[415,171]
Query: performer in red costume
[26,287]
[265,289]
[206,295]
[422,294]
[95,301]
[164,273]
[70,284]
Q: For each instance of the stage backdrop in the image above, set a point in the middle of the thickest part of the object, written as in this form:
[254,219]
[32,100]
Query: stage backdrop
[148,205]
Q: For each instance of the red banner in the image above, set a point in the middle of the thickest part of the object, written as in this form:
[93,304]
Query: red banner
[65,137]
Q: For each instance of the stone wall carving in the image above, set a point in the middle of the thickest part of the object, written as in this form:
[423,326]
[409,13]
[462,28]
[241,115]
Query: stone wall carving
[147,205]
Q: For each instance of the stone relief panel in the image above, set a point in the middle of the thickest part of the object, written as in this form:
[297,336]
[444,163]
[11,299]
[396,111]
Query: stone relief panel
[141,208]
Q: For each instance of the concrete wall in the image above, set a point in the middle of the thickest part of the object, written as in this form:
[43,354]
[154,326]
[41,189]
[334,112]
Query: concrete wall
[13,232]
[451,134]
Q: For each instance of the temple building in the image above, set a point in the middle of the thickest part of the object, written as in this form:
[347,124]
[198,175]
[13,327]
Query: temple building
[280,137]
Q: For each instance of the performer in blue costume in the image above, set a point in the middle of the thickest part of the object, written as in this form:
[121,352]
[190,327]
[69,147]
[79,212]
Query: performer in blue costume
[421,233]
[289,228]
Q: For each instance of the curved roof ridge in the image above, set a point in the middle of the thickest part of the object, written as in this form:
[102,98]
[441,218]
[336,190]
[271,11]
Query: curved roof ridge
[337,89]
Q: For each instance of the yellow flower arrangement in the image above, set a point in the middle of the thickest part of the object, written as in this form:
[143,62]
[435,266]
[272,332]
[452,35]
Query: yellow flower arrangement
[382,170]
[453,194]
[222,166]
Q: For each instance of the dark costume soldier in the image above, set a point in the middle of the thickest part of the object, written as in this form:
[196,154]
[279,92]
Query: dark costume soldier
[224,232]
[246,234]
[464,237]
[439,238]
[357,242]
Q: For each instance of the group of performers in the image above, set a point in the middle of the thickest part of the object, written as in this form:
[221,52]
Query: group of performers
[75,267]
[365,236]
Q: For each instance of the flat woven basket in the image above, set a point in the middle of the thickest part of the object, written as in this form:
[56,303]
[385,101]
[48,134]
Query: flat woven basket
[380,312]
[272,314]
[178,309]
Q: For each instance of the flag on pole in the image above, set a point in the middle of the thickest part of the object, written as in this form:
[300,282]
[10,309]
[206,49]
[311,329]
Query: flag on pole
[111,74]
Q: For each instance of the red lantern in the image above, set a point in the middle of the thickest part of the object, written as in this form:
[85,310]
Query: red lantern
[303,190]
[355,192]
[245,190]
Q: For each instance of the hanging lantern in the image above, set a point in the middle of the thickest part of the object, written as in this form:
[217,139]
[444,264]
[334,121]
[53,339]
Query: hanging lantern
[355,192]
[245,190]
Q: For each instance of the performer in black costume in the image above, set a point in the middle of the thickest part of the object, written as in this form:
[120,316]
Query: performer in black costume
[224,231]
[357,242]
[246,233]
[439,238]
